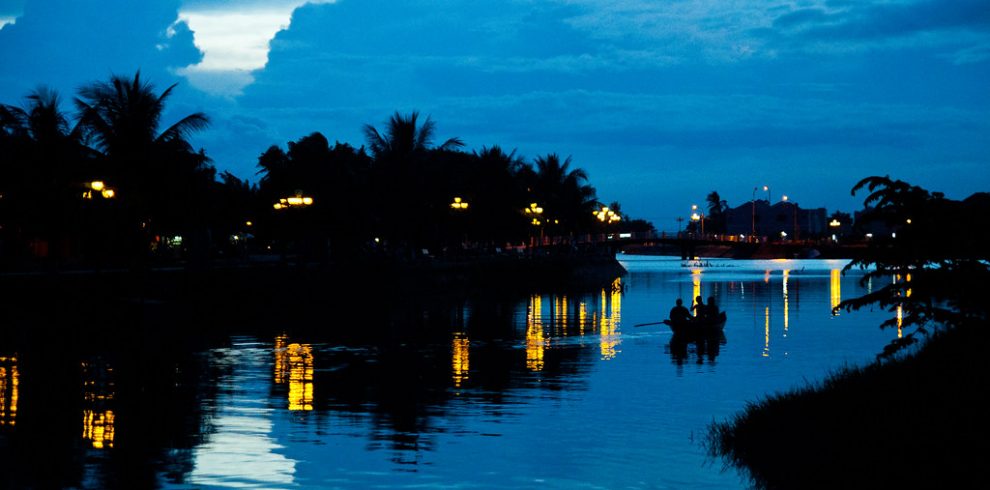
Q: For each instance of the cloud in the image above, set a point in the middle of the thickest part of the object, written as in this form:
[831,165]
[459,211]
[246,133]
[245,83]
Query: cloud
[956,28]
[65,43]
[234,37]
[644,94]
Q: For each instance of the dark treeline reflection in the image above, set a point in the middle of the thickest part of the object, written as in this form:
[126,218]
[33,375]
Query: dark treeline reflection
[120,393]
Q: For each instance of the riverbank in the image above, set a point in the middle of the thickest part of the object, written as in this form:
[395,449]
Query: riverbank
[271,277]
[914,422]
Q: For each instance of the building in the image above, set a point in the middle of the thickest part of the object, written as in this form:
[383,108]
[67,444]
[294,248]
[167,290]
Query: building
[772,220]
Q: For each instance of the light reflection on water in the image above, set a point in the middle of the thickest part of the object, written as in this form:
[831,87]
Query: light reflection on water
[559,388]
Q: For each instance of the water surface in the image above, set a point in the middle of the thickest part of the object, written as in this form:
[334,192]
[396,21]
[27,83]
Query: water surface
[503,389]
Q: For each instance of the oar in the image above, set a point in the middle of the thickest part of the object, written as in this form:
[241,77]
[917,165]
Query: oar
[647,324]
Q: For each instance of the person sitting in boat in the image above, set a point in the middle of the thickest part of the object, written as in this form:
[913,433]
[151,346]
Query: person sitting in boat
[711,308]
[700,309]
[680,314]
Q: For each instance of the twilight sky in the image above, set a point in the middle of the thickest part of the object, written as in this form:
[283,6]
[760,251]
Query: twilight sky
[660,101]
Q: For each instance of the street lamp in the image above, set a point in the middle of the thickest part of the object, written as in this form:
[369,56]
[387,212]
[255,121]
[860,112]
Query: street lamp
[100,188]
[535,212]
[698,217]
[296,201]
[459,204]
[606,215]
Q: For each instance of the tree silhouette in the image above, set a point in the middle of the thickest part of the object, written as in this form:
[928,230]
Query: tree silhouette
[160,178]
[716,212]
[44,167]
[404,137]
[563,192]
[409,178]
[936,254]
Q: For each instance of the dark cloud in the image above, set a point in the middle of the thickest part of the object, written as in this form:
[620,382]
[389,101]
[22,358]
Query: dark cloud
[65,43]
[868,20]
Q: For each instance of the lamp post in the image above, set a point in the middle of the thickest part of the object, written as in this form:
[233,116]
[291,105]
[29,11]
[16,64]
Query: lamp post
[698,218]
[535,213]
[100,188]
[606,216]
[794,227]
[752,202]
[460,206]
[296,201]
[834,225]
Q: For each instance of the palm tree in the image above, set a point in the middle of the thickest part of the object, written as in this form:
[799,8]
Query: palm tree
[159,176]
[123,117]
[44,157]
[405,137]
[716,212]
[409,173]
[563,192]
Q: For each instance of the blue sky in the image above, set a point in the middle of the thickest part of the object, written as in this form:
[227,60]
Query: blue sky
[660,101]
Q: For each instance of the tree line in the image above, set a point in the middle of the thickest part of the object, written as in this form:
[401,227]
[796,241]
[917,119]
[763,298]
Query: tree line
[110,182]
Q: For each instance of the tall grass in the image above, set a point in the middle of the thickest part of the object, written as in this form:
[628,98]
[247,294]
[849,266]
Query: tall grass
[917,421]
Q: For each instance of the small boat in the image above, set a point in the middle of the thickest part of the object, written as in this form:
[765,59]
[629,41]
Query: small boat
[698,328]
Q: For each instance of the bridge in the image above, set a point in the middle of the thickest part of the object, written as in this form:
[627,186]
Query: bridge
[688,245]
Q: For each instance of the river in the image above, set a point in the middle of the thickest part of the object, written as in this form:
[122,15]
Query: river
[502,390]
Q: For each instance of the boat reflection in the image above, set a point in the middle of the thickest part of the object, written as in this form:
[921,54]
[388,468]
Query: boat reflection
[697,349]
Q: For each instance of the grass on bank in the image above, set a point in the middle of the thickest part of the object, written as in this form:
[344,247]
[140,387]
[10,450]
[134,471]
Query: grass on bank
[918,421]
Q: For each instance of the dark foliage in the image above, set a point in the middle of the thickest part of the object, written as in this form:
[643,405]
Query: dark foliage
[937,256]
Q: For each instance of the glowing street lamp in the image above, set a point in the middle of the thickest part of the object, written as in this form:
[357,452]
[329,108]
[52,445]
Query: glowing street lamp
[606,215]
[834,223]
[100,188]
[698,218]
[459,204]
[295,201]
[535,213]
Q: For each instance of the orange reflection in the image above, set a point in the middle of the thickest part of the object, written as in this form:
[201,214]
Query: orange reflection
[696,288]
[9,381]
[900,321]
[98,393]
[460,362]
[563,314]
[582,317]
[610,336]
[98,428]
[535,342]
[294,364]
[835,288]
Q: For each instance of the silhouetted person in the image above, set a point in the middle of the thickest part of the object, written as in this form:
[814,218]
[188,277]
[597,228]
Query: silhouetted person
[680,314]
[700,309]
[711,308]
